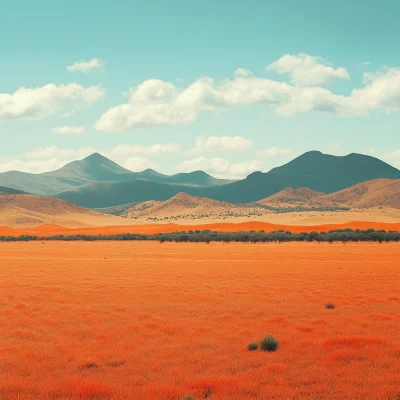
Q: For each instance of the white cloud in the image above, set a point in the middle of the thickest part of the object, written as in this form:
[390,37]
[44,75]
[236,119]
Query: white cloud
[51,158]
[241,170]
[85,66]
[243,72]
[214,144]
[307,70]
[63,154]
[40,102]
[156,103]
[69,130]
[139,164]
[155,149]
[219,167]
[211,165]
[363,64]
[274,151]
[43,159]
[393,157]
[333,147]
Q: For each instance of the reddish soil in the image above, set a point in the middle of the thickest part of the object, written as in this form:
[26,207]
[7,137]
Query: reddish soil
[144,320]
[49,230]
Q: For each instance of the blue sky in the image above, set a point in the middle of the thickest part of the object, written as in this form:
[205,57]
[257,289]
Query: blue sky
[184,85]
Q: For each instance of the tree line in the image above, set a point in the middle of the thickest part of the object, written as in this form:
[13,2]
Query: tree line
[207,236]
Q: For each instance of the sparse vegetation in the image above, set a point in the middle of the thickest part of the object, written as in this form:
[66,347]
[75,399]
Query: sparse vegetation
[329,306]
[207,236]
[252,346]
[269,343]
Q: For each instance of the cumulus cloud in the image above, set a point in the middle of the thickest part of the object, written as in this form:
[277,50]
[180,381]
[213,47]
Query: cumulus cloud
[44,159]
[69,130]
[274,151]
[307,70]
[219,167]
[139,164]
[214,144]
[242,72]
[155,149]
[40,102]
[86,66]
[393,157]
[243,169]
[156,103]
[50,158]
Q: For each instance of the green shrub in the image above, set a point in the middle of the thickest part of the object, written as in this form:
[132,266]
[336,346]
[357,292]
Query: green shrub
[252,346]
[269,343]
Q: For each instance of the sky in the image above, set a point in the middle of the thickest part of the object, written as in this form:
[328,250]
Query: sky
[225,87]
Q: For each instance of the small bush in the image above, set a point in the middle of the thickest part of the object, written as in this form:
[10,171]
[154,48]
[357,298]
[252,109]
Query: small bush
[330,306]
[252,346]
[269,343]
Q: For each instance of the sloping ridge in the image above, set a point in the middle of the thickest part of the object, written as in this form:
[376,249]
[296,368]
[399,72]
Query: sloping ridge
[6,190]
[293,196]
[183,204]
[314,170]
[28,210]
[376,193]
[94,169]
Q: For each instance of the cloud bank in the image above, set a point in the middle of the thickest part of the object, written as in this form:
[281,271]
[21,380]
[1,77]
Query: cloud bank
[40,102]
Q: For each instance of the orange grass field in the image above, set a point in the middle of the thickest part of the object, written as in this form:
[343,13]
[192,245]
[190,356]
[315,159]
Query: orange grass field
[144,320]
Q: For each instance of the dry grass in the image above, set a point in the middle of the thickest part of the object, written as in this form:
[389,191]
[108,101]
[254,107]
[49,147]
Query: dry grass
[173,321]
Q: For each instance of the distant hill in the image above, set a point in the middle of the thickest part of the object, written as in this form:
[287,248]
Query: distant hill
[375,193]
[6,190]
[96,168]
[293,197]
[183,205]
[29,210]
[109,194]
[314,170]
[195,178]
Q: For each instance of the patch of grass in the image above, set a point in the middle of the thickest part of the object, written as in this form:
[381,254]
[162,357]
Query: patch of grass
[269,343]
[252,346]
[329,306]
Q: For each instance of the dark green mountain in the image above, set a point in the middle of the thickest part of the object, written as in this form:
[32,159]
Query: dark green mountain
[314,170]
[92,169]
[317,171]
[109,194]
[6,190]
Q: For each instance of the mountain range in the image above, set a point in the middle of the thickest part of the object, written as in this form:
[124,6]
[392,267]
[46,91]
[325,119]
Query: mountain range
[97,182]
[383,193]
[96,169]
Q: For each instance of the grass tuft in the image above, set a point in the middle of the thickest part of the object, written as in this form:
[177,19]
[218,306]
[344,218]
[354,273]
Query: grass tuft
[269,343]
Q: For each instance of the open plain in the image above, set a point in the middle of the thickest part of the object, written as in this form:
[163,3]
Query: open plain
[144,320]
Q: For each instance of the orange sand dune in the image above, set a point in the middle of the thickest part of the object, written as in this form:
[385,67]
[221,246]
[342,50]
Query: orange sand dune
[49,230]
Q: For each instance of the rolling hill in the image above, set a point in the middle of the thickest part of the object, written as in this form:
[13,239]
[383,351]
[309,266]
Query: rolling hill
[6,190]
[30,210]
[314,170]
[93,169]
[359,201]
[376,193]
[183,205]
[369,194]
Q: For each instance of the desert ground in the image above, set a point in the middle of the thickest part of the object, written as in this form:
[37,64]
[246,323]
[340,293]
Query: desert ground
[244,214]
[144,320]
